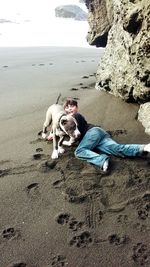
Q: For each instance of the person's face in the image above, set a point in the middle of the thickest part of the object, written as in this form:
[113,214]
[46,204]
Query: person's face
[71,109]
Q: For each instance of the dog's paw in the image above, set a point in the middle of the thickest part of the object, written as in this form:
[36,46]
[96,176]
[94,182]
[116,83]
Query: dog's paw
[50,137]
[54,154]
[43,135]
[61,150]
[67,143]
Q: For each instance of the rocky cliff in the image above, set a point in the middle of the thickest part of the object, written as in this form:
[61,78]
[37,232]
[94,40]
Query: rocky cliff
[70,11]
[122,27]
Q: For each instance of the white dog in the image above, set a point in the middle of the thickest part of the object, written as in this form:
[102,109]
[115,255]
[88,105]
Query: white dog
[62,124]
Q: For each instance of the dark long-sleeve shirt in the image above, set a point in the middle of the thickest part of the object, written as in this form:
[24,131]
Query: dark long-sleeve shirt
[83,126]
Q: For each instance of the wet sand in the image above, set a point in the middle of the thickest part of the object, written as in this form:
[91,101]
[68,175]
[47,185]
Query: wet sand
[65,212]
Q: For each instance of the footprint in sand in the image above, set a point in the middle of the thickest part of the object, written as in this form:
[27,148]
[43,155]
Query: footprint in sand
[82,240]
[66,218]
[33,190]
[72,196]
[4,172]
[38,140]
[117,240]
[141,254]
[144,209]
[10,233]
[39,149]
[135,180]
[47,166]
[84,87]
[74,89]
[75,225]
[37,156]
[59,261]
[63,218]
[85,77]
[147,207]
[142,214]
[122,218]
[74,165]
[18,264]
[141,227]
[58,183]
[146,196]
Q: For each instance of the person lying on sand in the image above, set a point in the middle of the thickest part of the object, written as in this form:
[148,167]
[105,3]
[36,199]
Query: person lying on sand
[96,145]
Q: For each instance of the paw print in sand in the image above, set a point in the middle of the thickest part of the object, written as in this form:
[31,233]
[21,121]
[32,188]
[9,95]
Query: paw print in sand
[18,264]
[63,218]
[75,225]
[10,233]
[66,218]
[59,261]
[82,240]
[117,240]
[141,254]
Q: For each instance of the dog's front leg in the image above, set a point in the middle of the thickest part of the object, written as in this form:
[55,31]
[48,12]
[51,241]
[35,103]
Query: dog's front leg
[55,147]
[47,122]
[70,142]
[44,132]
[61,150]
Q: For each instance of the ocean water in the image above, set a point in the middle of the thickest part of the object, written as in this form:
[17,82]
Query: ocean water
[33,23]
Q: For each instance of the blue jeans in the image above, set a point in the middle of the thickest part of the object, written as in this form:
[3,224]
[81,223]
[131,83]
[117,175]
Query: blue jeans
[96,139]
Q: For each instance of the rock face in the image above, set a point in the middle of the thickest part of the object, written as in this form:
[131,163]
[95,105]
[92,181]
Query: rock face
[70,11]
[123,28]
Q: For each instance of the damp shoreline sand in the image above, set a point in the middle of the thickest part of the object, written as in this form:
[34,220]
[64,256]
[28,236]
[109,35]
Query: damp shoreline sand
[65,212]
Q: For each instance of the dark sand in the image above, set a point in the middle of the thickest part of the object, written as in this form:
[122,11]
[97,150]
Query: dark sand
[65,212]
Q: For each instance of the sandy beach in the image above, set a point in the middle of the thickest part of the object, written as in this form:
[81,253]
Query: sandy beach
[65,212]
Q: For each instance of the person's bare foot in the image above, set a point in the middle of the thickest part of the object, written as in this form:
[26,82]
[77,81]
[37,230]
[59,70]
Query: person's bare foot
[105,165]
[147,148]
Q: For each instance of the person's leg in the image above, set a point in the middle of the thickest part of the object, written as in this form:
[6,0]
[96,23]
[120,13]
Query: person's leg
[110,147]
[84,151]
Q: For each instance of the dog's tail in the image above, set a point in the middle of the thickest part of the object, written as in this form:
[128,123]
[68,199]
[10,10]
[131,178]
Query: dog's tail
[57,100]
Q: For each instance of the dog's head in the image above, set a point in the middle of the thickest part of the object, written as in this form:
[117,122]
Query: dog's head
[69,125]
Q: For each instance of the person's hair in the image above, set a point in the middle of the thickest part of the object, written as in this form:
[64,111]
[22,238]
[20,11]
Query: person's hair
[71,102]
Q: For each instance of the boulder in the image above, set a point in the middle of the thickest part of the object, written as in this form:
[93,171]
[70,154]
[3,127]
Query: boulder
[144,116]
[122,27]
[70,11]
